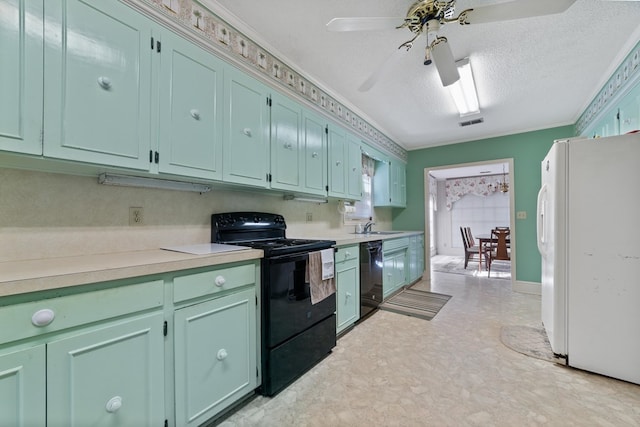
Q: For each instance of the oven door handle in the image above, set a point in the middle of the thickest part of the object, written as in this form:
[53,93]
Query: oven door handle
[288,258]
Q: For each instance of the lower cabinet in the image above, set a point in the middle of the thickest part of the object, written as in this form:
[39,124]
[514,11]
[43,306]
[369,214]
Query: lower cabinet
[215,356]
[105,354]
[416,257]
[347,286]
[394,265]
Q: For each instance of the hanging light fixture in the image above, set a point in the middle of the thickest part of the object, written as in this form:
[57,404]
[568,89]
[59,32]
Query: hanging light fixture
[503,186]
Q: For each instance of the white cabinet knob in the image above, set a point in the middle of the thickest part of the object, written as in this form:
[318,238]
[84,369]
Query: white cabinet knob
[247,131]
[338,163]
[288,146]
[114,404]
[222,354]
[43,317]
[104,82]
[314,155]
[347,254]
[220,281]
[195,114]
[354,169]
[348,294]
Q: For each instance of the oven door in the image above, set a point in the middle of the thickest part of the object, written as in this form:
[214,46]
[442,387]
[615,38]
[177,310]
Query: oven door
[287,308]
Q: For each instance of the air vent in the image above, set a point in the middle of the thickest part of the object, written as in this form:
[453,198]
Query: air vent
[472,122]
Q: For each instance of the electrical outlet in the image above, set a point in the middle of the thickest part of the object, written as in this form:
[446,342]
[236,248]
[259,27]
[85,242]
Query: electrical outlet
[521,215]
[309,217]
[136,216]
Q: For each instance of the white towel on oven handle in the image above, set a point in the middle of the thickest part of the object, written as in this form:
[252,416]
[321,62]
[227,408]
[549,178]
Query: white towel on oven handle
[326,255]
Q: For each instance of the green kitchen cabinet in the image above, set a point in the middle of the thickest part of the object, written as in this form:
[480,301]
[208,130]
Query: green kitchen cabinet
[345,164]
[245,130]
[21,75]
[315,154]
[215,347]
[347,267]
[416,257]
[110,375]
[73,361]
[287,149]
[630,112]
[394,265]
[389,184]
[97,83]
[22,387]
[190,110]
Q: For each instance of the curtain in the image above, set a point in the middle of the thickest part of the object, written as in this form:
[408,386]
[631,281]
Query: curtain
[479,185]
[368,166]
[433,192]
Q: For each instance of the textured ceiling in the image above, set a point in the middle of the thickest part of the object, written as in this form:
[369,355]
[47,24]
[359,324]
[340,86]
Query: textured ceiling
[531,73]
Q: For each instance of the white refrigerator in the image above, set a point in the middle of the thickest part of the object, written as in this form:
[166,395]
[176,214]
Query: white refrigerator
[588,232]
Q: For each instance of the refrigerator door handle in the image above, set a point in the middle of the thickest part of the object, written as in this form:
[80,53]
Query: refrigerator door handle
[541,237]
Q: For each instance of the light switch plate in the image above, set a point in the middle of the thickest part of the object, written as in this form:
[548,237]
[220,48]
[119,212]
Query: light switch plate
[521,215]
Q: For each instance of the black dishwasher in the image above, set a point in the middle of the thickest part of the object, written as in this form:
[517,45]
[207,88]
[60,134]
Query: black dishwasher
[370,277]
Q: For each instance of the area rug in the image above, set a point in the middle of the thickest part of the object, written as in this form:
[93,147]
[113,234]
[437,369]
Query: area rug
[530,341]
[455,265]
[416,303]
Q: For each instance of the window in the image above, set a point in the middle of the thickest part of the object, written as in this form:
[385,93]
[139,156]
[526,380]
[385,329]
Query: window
[363,209]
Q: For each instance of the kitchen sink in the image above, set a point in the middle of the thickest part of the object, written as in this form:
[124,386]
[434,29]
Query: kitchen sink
[379,233]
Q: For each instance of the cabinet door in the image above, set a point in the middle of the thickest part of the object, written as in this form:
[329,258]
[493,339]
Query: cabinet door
[315,154]
[354,168]
[22,388]
[215,356]
[286,144]
[190,118]
[388,268]
[348,293]
[630,112]
[246,130]
[21,75]
[97,83]
[337,169]
[106,376]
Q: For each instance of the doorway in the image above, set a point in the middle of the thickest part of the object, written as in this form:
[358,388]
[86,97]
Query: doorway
[438,208]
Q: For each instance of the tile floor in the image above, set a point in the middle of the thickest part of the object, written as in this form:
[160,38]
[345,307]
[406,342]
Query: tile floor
[394,370]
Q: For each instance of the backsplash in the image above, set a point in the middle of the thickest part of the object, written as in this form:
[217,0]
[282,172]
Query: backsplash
[44,215]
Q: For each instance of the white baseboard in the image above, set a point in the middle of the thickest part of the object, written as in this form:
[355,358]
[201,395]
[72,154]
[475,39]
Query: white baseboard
[527,287]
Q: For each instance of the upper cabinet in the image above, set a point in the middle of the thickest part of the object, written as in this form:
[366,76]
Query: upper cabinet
[287,148]
[314,141]
[345,164]
[246,130]
[190,110]
[21,75]
[97,84]
[389,184]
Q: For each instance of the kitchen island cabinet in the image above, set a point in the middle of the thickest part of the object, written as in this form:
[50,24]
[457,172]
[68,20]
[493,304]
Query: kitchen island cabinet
[21,44]
[347,267]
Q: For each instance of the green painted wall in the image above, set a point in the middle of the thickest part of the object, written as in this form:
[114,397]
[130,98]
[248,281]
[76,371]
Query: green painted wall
[526,149]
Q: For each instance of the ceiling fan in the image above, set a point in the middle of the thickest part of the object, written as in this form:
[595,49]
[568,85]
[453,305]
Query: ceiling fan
[427,16]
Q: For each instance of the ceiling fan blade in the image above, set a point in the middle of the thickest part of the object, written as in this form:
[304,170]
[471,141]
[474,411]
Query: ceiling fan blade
[442,57]
[516,9]
[382,69]
[364,24]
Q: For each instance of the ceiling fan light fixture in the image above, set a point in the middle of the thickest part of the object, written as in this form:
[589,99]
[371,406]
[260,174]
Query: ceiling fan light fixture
[443,59]
[464,91]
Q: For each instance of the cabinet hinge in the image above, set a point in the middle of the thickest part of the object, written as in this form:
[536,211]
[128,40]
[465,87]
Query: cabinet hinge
[150,156]
[158,44]
[166,423]
[618,115]
[269,177]
[157,157]
[256,300]
[41,136]
[165,328]
[326,130]
[268,101]
[326,187]
[152,44]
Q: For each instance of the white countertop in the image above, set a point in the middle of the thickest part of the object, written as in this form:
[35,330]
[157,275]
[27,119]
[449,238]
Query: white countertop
[18,277]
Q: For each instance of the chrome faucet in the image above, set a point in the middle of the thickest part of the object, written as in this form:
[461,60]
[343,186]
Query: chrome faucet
[368,225]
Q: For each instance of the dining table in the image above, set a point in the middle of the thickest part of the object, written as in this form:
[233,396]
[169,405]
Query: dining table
[483,239]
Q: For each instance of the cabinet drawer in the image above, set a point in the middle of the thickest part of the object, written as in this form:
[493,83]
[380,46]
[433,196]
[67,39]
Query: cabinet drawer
[346,253]
[212,282]
[394,244]
[60,313]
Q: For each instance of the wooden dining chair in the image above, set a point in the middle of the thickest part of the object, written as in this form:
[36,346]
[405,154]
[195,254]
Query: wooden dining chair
[500,250]
[470,248]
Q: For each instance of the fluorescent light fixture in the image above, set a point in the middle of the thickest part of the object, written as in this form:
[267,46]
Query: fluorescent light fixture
[305,199]
[463,91]
[162,184]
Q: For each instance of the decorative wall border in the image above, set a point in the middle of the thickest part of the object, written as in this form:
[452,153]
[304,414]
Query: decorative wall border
[622,78]
[228,40]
